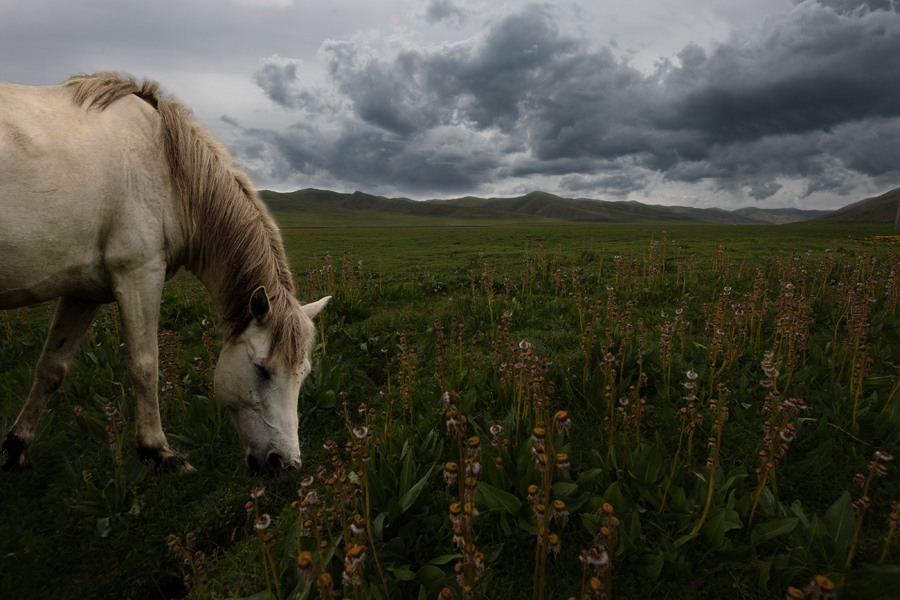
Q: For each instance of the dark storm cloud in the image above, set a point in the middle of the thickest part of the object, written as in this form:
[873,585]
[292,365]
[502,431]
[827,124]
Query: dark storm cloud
[447,11]
[528,99]
[851,6]
[277,78]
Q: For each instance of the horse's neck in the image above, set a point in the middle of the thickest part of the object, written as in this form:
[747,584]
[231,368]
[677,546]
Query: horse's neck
[226,277]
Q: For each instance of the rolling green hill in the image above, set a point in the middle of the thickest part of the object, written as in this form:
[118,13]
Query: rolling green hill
[323,208]
[880,209]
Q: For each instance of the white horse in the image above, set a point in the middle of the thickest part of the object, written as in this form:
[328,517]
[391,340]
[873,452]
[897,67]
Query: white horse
[107,188]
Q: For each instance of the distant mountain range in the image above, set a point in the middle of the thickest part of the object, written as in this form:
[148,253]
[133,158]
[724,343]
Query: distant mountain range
[548,207]
[881,209]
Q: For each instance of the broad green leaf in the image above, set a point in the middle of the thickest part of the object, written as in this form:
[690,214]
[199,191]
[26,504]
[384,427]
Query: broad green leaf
[649,565]
[591,522]
[443,559]
[648,465]
[614,496]
[679,502]
[402,574]
[409,498]
[407,473]
[590,477]
[841,521]
[104,527]
[767,531]
[499,499]
[636,536]
[765,570]
[378,526]
[720,522]
[685,539]
[432,577]
[565,489]
[301,592]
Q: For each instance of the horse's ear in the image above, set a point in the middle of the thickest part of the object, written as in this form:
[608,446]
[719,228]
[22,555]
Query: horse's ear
[259,305]
[314,308]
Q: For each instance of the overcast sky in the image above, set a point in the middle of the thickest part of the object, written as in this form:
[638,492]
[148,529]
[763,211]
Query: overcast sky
[725,103]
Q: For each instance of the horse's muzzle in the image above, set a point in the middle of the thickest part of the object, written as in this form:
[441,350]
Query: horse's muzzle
[275,464]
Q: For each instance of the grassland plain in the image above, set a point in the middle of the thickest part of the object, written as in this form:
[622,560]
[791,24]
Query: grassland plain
[614,424]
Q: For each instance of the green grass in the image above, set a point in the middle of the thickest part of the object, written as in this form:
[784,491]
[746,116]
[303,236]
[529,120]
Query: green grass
[426,314]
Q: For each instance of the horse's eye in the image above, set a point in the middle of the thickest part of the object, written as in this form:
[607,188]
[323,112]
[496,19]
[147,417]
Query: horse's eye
[262,372]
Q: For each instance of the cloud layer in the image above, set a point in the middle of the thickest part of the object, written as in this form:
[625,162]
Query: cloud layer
[808,102]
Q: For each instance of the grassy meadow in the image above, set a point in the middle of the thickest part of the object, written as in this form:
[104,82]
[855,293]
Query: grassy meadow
[497,410]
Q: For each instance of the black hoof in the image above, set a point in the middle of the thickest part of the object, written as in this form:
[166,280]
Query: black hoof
[164,460]
[16,458]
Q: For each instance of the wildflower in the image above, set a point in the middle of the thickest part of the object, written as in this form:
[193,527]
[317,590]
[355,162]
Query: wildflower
[456,514]
[533,494]
[452,421]
[305,564]
[793,593]
[473,446]
[893,519]
[268,541]
[362,433]
[306,481]
[451,471]
[258,493]
[356,555]
[539,512]
[262,522]
[538,435]
[562,462]
[79,412]
[860,505]
[358,525]
[324,583]
[559,510]
[822,587]
[884,456]
[788,433]
[596,557]
[496,430]
[553,544]
[563,422]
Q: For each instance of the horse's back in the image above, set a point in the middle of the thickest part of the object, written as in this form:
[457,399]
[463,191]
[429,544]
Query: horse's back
[64,172]
[48,142]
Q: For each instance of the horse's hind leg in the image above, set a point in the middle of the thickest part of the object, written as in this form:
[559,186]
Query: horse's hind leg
[70,322]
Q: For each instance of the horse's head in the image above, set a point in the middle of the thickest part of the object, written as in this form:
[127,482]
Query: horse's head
[261,388]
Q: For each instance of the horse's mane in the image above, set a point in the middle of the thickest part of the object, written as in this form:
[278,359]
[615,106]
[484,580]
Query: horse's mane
[223,210]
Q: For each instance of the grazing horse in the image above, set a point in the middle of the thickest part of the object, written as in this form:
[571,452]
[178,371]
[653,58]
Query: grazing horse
[107,188]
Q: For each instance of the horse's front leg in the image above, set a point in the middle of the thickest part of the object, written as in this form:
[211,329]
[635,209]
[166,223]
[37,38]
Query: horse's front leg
[138,294]
[70,322]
